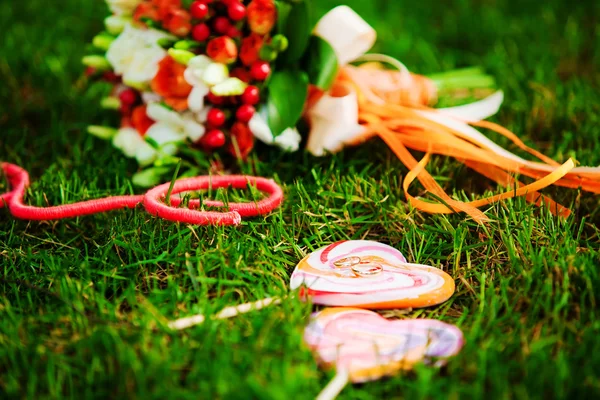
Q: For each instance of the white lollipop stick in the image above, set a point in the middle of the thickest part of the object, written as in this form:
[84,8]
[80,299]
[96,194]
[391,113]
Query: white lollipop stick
[228,312]
[334,388]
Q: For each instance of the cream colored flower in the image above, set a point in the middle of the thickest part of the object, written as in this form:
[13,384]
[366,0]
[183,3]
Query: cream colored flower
[288,140]
[135,54]
[205,76]
[132,144]
[183,126]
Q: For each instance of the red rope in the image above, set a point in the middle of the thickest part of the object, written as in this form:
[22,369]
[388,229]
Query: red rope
[18,180]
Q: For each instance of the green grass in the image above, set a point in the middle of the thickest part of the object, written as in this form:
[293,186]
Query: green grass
[84,301]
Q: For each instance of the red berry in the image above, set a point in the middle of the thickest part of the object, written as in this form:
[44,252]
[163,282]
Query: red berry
[234,32]
[236,11]
[251,95]
[199,9]
[213,139]
[200,32]
[128,97]
[260,70]
[245,113]
[215,117]
[221,25]
[214,99]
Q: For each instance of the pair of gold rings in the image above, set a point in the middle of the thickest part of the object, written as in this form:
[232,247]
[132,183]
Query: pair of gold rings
[359,267]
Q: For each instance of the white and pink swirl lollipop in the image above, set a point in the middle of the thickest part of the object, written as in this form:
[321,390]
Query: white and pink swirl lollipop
[363,346]
[366,274]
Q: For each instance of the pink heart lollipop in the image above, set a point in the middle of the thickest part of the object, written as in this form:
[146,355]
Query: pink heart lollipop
[357,273]
[366,274]
[363,346]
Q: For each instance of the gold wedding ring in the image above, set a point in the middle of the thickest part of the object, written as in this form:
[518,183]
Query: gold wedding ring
[367,270]
[347,262]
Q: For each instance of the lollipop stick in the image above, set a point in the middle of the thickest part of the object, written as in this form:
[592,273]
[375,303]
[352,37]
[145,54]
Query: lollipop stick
[228,312]
[333,388]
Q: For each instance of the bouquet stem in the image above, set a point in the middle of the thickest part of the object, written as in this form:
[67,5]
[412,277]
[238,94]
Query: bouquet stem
[463,79]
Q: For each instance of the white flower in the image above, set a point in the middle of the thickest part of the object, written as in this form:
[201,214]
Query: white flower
[160,113]
[123,7]
[289,140]
[135,55]
[166,136]
[196,97]
[202,116]
[215,73]
[201,70]
[132,144]
[195,69]
[180,125]
[204,74]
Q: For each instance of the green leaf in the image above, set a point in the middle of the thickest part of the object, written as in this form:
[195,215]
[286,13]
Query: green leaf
[321,63]
[288,90]
[283,13]
[152,143]
[295,25]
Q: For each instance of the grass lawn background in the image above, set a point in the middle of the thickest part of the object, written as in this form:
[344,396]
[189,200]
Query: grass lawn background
[83,302]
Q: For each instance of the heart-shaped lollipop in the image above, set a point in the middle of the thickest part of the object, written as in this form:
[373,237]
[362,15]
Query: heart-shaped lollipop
[366,274]
[357,273]
[363,346]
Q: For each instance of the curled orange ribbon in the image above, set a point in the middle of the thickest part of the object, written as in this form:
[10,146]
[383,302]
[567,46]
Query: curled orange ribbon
[366,102]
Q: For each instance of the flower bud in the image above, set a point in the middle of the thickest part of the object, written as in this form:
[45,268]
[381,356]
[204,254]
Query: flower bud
[102,132]
[110,103]
[100,63]
[280,43]
[181,56]
[116,24]
[102,41]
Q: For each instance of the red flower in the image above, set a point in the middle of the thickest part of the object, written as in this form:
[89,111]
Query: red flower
[170,84]
[164,6]
[222,50]
[262,15]
[244,139]
[146,10]
[140,120]
[250,49]
[178,22]
[169,12]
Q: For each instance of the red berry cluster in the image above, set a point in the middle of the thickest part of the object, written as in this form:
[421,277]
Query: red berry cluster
[231,32]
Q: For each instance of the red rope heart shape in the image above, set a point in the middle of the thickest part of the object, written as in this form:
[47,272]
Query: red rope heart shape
[18,180]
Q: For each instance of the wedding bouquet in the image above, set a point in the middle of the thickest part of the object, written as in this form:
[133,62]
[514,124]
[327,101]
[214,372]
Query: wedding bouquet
[210,77]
